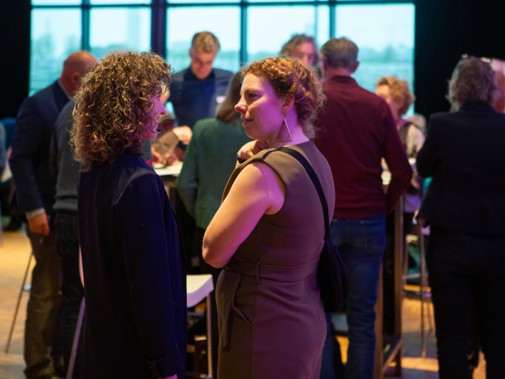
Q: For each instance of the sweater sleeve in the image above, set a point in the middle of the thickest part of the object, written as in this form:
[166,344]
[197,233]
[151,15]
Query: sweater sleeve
[187,181]
[397,161]
[27,142]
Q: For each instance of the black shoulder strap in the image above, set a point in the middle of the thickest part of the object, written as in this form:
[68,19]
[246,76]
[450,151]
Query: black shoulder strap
[312,174]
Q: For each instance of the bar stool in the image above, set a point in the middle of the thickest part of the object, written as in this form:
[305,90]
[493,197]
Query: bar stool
[424,292]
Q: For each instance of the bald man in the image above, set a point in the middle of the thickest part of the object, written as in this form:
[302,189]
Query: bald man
[35,188]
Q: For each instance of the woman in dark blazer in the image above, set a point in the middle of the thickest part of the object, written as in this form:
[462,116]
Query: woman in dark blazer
[465,207]
[134,283]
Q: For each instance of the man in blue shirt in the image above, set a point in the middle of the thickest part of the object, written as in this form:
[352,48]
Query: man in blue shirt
[196,91]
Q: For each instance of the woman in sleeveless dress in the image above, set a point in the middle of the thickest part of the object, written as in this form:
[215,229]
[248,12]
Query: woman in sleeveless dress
[268,233]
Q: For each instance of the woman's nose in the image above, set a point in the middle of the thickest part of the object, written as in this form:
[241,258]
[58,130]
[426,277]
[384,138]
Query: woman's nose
[240,107]
[163,110]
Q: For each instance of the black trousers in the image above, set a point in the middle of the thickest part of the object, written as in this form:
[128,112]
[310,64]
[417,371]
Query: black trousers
[467,274]
[67,232]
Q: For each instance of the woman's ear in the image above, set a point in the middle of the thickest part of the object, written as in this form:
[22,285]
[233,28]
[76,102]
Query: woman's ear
[288,104]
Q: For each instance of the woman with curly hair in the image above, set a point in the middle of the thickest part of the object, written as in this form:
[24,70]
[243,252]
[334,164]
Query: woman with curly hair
[269,232]
[135,325]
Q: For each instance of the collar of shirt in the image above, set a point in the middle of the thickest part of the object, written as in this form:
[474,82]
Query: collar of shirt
[190,76]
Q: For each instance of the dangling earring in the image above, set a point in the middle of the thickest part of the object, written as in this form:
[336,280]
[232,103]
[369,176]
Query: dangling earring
[282,137]
[287,128]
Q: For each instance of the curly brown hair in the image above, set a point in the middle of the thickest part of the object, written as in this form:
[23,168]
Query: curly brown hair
[473,81]
[399,91]
[114,108]
[292,79]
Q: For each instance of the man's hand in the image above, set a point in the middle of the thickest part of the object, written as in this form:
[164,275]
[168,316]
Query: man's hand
[155,156]
[39,224]
[183,133]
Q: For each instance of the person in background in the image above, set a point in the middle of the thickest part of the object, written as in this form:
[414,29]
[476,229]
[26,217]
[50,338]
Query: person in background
[195,94]
[499,70]
[357,132]
[303,47]
[209,160]
[35,190]
[134,280]
[465,209]
[166,149]
[196,91]
[397,95]
[266,239]
[66,171]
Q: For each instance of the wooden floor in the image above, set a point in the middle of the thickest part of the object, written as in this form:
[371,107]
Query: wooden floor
[14,254]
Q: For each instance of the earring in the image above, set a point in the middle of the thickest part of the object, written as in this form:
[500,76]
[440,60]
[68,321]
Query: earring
[283,136]
[287,128]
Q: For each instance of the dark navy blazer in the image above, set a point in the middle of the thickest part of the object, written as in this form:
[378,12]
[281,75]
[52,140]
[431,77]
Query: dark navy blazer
[135,284]
[29,161]
[464,154]
[194,99]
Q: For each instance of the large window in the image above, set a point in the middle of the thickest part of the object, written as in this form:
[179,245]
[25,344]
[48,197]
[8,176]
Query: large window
[51,41]
[119,29]
[385,36]
[269,27]
[248,30]
[224,22]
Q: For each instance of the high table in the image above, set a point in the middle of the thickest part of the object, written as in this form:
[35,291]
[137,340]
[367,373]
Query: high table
[199,287]
[168,175]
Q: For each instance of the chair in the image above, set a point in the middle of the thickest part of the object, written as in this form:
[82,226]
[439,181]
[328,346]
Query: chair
[424,292]
[24,288]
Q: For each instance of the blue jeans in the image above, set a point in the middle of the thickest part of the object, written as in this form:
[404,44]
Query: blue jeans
[361,243]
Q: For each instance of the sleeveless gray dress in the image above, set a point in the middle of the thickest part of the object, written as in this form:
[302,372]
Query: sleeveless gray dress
[271,319]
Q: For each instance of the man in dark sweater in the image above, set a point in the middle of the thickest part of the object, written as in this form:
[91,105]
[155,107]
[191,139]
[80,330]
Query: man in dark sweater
[66,172]
[357,131]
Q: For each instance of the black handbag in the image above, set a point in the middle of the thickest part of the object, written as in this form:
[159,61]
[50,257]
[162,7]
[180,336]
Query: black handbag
[330,270]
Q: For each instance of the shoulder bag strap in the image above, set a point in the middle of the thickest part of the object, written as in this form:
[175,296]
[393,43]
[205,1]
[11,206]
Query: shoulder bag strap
[312,174]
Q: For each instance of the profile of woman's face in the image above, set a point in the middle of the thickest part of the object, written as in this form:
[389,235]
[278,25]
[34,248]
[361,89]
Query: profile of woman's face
[260,108]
